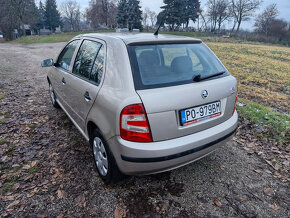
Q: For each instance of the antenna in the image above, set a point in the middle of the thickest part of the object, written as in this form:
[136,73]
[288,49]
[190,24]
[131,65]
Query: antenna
[161,22]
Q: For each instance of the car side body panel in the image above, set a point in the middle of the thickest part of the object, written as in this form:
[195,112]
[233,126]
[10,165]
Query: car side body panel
[117,90]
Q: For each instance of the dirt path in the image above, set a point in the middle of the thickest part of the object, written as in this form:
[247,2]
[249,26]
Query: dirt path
[46,167]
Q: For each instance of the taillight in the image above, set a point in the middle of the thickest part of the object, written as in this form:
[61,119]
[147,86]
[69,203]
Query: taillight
[134,125]
[236,100]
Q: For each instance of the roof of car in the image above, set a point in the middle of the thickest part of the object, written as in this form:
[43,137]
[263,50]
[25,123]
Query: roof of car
[139,38]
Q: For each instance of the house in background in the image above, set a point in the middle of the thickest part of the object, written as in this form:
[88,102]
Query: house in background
[28,30]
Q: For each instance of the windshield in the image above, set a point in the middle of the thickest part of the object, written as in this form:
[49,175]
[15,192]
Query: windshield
[163,65]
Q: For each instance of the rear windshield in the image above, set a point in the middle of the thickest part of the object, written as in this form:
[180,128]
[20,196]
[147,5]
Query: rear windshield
[162,65]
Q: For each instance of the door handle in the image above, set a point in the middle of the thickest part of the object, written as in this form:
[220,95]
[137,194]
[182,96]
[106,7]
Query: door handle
[63,81]
[87,96]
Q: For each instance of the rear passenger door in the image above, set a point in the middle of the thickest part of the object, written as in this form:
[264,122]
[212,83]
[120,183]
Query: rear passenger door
[84,82]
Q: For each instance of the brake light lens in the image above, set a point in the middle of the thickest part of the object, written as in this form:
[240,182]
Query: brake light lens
[236,101]
[134,125]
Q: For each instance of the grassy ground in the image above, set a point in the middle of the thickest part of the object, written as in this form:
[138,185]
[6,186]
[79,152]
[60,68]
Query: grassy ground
[63,37]
[269,124]
[262,70]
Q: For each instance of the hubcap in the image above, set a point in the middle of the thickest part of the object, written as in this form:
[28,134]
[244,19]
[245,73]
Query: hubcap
[100,156]
[52,96]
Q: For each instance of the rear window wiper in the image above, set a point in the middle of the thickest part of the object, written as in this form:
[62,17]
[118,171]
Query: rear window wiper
[198,77]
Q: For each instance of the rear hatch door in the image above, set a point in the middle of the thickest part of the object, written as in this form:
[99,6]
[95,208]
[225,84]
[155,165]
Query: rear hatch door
[184,88]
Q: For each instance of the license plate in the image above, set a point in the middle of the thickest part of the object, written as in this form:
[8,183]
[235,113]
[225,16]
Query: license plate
[200,113]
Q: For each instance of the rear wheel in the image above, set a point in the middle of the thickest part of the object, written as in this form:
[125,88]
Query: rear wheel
[104,160]
[52,96]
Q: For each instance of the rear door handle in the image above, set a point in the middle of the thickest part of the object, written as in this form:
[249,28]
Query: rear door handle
[87,96]
[63,81]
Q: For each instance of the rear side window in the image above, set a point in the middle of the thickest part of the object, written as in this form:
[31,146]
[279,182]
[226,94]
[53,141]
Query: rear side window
[66,55]
[98,68]
[85,58]
[163,65]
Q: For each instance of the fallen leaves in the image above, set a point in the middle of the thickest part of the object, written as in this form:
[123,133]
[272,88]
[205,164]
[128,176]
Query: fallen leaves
[120,213]
[274,207]
[217,202]
[61,193]
[274,154]
[269,192]
[81,200]
[13,204]
[15,186]
[258,171]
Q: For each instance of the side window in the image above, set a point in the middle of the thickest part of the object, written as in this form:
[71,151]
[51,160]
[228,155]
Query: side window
[85,58]
[98,68]
[66,55]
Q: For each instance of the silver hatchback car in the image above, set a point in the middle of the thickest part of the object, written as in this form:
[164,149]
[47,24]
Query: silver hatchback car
[145,103]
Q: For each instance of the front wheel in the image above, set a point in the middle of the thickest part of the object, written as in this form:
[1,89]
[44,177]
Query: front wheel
[52,96]
[104,160]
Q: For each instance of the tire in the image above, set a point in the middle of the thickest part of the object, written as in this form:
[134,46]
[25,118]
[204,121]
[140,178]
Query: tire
[53,96]
[104,160]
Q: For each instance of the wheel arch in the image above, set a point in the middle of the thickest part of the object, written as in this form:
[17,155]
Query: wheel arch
[91,126]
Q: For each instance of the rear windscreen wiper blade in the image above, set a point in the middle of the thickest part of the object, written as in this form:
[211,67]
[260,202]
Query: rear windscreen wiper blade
[198,78]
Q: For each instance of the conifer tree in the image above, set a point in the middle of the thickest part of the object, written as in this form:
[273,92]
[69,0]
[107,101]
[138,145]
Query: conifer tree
[52,16]
[122,15]
[41,16]
[129,14]
[134,14]
[178,12]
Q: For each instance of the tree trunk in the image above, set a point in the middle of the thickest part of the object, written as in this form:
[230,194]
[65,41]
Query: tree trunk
[23,30]
[238,28]
[235,22]
[187,23]
[219,25]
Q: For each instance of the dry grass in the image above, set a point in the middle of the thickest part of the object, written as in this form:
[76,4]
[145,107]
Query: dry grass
[263,71]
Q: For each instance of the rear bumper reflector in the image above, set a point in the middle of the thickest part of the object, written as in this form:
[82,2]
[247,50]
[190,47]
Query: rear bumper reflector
[178,155]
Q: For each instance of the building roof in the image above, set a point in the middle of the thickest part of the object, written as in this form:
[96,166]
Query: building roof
[139,38]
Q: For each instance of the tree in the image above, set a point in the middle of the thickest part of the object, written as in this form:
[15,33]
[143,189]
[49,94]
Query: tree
[122,14]
[264,20]
[7,23]
[15,14]
[102,12]
[145,16]
[192,10]
[134,15]
[129,14]
[174,13]
[41,16]
[279,28]
[152,17]
[178,12]
[71,10]
[218,12]
[241,10]
[52,16]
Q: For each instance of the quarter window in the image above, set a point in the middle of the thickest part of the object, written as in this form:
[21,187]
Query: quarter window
[97,71]
[66,55]
[85,58]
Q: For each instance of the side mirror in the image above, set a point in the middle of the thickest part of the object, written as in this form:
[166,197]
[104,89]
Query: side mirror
[47,63]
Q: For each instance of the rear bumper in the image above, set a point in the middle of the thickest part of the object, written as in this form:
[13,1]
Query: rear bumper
[148,158]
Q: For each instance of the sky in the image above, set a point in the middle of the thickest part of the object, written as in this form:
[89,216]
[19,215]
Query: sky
[154,5]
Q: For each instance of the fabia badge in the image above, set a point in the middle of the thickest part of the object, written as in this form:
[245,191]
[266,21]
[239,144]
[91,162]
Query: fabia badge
[204,94]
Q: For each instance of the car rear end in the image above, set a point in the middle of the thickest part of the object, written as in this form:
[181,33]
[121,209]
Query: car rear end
[187,111]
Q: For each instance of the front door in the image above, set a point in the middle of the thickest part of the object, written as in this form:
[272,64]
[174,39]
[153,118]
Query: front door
[61,69]
[83,84]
